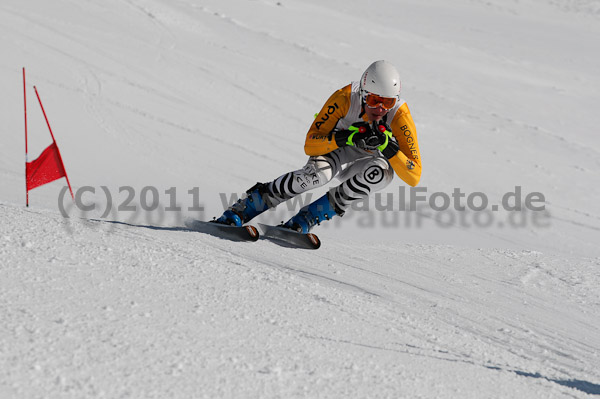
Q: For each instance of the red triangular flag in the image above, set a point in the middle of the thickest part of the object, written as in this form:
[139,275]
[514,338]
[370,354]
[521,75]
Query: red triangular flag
[45,169]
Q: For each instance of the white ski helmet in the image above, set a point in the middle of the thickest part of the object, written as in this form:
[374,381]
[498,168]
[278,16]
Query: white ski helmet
[381,78]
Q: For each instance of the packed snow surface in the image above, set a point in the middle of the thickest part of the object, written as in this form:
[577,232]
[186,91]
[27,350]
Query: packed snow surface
[169,110]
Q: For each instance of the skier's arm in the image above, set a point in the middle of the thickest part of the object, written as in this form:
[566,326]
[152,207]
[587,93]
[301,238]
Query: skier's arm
[319,139]
[407,161]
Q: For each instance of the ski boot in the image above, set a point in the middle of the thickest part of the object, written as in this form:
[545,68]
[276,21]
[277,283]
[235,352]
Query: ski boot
[251,205]
[313,214]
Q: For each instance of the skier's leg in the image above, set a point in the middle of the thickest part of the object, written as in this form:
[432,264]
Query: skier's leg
[371,175]
[318,171]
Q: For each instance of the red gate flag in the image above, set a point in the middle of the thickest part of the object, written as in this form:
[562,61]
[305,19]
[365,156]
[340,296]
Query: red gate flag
[49,165]
[45,169]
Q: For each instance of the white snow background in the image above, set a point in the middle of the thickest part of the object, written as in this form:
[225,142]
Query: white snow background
[190,102]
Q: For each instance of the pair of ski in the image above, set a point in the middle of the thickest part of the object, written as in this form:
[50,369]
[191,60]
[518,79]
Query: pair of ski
[280,235]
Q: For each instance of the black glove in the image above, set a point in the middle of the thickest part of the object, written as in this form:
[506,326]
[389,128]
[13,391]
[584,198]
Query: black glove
[360,134]
[380,136]
[391,149]
[387,142]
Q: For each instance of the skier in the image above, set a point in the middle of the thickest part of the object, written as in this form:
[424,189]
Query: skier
[362,135]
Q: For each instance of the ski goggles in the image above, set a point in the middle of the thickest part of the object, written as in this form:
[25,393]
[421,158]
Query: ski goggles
[373,101]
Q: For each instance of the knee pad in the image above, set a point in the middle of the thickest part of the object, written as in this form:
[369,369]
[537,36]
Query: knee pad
[323,167]
[377,174]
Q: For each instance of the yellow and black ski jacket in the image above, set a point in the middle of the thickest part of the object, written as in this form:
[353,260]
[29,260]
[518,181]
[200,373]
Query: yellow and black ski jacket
[344,108]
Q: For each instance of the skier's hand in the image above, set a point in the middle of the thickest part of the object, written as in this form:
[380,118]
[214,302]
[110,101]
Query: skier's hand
[377,136]
[360,134]
[391,149]
[386,142]
[381,127]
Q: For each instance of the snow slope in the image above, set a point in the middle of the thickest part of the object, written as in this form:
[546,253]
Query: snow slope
[141,311]
[195,101]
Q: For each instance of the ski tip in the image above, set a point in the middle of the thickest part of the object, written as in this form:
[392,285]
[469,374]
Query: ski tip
[253,233]
[291,238]
[314,240]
